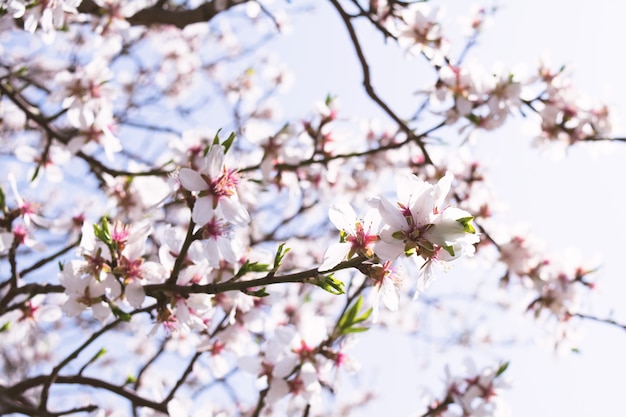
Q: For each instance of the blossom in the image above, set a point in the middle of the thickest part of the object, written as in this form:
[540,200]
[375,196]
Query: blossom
[219,242]
[216,187]
[388,281]
[418,224]
[86,290]
[357,236]
[50,165]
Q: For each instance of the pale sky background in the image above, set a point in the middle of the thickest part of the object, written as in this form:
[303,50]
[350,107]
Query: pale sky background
[575,202]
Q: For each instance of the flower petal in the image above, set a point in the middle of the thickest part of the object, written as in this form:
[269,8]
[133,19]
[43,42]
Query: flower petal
[192,180]
[335,254]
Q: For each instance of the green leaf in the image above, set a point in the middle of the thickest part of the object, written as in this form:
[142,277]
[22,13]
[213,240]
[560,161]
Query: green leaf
[348,318]
[5,327]
[36,173]
[355,330]
[364,316]
[280,254]
[95,357]
[398,235]
[102,232]
[228,142]
[257,293]
[3,205]
[329,283]
[120,314]
[130,380]
[466,222]
[351,317]
[251,267]
[503,367]
[216,139]
[449,249]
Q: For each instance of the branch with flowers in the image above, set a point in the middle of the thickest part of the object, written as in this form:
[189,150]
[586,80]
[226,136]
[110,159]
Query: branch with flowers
[160,265]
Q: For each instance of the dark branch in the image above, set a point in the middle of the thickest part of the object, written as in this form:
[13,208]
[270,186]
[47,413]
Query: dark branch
[157,15]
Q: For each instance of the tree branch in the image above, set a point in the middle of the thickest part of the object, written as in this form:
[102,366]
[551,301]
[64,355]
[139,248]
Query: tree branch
[157,15]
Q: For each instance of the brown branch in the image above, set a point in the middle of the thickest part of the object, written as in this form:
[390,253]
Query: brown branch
[367,82]
[130,395]
[157,15]
[155,290]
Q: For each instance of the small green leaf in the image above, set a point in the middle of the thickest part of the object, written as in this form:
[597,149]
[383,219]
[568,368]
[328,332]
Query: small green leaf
[102,232]
[280,254]
[95,357]
[329,283]
[449,249]
[355,330]
[120,314]
[364,316]
[5,327]
[503,367]
[216,139]
[251,267]
[398,235]
[3,205]
[348,318]
[347,322]
[228,142]
[466,222]
[35,173]
[130,380]
[258,293]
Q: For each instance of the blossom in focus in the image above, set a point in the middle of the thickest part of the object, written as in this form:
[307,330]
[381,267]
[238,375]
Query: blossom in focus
[418,224]
[217,190]
[357,236]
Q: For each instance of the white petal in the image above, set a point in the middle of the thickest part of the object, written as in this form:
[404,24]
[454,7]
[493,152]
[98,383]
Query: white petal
[192,180]
[135,294]
[250,364]
[335,254]
[234,211]
[343,217]
[388,251]
[215,161]
[101,311]
[442,189]
[202,210]
[411,188]
[285,366]
[227,250]
[278,390]
[389,294]
[391,215]
[72,307]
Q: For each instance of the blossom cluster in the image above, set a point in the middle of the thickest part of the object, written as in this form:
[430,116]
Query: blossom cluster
[476,394]
[417,225]
[201,258]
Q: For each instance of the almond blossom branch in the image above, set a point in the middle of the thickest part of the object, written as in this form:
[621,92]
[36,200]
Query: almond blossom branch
[367,82]
[217,288]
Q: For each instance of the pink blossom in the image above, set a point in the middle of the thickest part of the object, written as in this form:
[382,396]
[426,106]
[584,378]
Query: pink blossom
[216,190]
